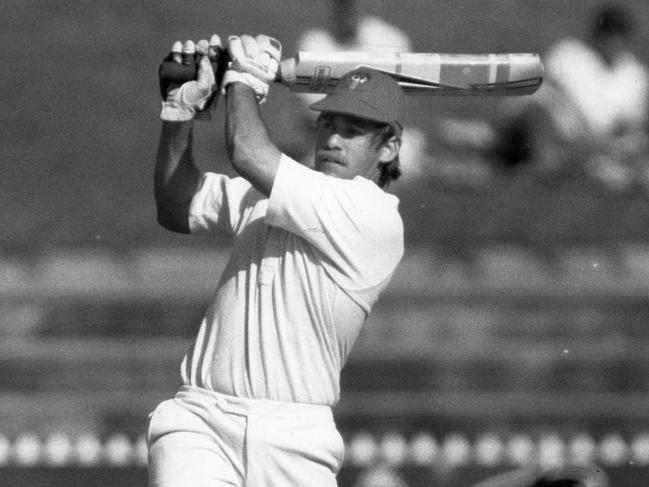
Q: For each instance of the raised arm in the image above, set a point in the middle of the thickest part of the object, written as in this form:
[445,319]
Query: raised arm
[252,154]
[253,67]
[176,176]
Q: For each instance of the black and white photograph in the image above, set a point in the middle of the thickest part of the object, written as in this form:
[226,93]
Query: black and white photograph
[324,243]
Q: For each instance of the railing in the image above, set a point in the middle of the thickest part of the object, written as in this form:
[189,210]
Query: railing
[421,458]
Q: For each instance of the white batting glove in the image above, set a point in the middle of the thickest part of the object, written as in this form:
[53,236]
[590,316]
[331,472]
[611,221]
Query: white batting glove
[254,62]
[182,103]
[212,50]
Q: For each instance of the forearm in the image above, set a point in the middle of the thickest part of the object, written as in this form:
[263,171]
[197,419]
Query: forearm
[176,176]
[252,153]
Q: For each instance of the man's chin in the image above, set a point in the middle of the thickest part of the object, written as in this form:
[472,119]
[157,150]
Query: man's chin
[330,169]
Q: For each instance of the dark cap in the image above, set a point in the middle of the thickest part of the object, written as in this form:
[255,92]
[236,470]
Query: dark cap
[369,94]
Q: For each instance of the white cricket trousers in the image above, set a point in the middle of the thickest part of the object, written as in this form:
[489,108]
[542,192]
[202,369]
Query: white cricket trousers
[205,439]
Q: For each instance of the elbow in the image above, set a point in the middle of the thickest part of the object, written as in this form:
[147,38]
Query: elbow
[172,225]
[251,159]
[172,220]
[241,154]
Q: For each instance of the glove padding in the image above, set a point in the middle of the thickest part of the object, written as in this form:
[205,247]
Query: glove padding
[254,62]
[184,102]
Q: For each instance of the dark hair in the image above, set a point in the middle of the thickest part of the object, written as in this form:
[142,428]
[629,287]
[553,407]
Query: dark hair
[390,171]
[611,20]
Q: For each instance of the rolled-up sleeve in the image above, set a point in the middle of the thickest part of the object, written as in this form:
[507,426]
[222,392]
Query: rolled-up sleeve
[353,223]
[217,205]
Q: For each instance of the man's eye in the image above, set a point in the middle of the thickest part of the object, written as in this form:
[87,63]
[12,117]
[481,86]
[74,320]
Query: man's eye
[325,124]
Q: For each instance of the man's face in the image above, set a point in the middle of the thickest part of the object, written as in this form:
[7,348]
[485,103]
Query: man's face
[345,146]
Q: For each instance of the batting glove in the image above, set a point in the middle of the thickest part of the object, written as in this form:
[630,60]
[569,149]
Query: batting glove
[182,102]
[254,62]
[215,53]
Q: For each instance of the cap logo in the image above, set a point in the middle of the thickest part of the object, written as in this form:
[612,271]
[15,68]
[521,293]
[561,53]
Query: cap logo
[357,79]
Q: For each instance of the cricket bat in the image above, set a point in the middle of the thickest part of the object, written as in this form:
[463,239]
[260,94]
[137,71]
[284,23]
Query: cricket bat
[508,74]
[419,73]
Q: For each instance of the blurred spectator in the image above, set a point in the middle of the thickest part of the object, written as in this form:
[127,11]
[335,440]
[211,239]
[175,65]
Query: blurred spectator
[355,31]
[350,31]
[591,112]
[462,148]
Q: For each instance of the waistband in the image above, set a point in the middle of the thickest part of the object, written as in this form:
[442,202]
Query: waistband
[261,407]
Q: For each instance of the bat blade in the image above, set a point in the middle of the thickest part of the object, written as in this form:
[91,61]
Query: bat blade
[420,73]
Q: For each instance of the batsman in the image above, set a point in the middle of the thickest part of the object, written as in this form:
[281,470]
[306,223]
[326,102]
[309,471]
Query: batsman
[312,250]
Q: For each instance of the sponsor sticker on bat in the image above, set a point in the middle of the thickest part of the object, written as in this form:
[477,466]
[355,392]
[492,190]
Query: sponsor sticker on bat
[320,79]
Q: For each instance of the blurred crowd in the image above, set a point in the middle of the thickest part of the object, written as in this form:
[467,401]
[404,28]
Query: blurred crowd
[590,115]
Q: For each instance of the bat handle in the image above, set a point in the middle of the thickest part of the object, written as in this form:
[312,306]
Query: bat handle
[173,74]
[286,72]
[177,73]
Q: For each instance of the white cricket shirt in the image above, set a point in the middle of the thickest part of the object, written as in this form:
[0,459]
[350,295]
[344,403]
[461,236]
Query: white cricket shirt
[307,264]
[602,97]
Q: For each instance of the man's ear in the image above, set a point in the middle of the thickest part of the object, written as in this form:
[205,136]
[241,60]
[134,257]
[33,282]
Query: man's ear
[389,150]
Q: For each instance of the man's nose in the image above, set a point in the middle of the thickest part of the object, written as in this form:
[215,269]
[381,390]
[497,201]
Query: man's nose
[333,140]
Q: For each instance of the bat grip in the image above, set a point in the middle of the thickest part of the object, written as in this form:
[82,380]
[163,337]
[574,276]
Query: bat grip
[172,72]
[286,72]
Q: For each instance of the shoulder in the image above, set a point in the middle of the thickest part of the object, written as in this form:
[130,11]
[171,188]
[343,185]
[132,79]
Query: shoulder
[375,33]
[338,202]
[378,209]
[570,51]
[316,40]
[370,191]
[295,177]
[569,45]
[630,63]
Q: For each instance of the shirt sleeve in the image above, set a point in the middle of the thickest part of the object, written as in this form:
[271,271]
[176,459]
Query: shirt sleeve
[354,224]
[218,204]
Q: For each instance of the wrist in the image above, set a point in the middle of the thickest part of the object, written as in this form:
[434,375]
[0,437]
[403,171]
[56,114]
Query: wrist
[240,87]
[172,126]
[246,81]
[173,111]
[177,134]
